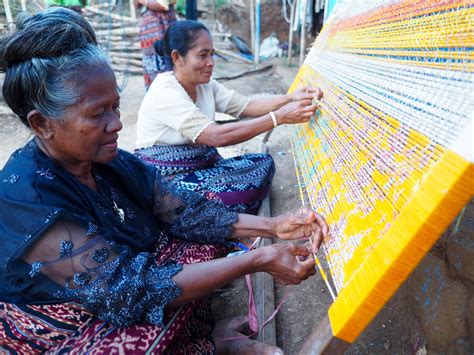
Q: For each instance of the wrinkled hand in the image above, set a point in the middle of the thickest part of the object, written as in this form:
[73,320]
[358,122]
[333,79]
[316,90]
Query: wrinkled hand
[306,93]
[288,263]
[301,223]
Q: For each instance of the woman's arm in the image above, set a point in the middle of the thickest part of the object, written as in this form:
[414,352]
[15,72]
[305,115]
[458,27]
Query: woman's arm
[297,107]
[287,263]
[151,5]
[261,106]
[237,132]
[126,288]
[194,218]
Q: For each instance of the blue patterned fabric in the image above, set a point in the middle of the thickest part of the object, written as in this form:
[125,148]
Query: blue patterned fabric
[240,182]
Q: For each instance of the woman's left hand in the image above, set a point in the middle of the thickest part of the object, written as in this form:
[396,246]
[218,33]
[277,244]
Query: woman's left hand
[306,93]
[302,223]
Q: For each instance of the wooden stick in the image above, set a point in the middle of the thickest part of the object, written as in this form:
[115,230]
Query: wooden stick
[233,55]
[249,72]
[127,69]
[134,62]
[127,31]
[107,14]
[23,5]
[129,55]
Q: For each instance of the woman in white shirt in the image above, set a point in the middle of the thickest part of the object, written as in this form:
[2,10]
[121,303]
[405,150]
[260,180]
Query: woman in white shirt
[177,130]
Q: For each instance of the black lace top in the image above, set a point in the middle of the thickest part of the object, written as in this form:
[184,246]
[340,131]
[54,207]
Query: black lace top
[63,241]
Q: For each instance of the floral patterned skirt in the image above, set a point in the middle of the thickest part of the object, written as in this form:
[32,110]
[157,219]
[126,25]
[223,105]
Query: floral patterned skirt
[70,328]
[240,182]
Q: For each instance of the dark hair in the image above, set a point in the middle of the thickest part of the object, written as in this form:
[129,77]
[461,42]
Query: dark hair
[180,37]
[41,61]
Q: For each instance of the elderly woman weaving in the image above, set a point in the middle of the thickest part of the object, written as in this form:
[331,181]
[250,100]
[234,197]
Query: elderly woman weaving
[97,252]
[178,130]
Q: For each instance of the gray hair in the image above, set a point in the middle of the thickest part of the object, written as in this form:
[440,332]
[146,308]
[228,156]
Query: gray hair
[44,59]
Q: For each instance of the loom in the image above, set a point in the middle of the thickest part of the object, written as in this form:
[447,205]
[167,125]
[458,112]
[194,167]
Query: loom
[388,158]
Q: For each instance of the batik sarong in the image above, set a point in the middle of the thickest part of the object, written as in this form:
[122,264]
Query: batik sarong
[70,328]
[152,29]
[240,182]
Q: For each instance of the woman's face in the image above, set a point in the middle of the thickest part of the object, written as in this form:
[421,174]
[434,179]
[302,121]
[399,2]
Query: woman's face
[197,65]
[89,131]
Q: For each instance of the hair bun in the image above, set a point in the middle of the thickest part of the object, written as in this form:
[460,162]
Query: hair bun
[52,33]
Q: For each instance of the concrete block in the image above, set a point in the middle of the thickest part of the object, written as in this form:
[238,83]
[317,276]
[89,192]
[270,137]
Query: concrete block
[470,319]
[439,302]
[460,248]
[460,346]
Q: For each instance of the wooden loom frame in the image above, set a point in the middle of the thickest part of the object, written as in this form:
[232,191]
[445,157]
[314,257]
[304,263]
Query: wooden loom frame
[446,189]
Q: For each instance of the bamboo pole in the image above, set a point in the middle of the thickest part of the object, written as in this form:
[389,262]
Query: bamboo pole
[252,24]
[133,12]
[293,5]
[8,14]
[303,31]
[257,32]
[23,5]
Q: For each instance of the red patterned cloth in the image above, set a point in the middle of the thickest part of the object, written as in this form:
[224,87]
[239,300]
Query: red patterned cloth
[152,29]
[70,328]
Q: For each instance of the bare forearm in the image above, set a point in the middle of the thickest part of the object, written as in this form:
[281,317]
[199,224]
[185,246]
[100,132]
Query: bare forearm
[152,5]
[197,280]
[235,132]
[252,226]
[261,106]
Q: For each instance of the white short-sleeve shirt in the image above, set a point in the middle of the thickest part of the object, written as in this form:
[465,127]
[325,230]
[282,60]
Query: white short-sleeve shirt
[168,115]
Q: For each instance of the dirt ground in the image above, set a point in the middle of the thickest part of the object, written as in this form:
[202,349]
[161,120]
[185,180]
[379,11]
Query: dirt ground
[393,331]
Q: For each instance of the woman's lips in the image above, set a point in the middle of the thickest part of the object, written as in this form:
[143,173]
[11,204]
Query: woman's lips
[112,144]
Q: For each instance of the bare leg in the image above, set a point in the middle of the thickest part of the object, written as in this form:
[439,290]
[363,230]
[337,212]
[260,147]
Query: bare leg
[241,346]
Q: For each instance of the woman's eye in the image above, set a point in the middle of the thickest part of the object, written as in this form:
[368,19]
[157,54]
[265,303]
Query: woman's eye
[97,114]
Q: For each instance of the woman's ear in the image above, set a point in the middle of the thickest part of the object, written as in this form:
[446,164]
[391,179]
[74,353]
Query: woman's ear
[177,58]
[39,124]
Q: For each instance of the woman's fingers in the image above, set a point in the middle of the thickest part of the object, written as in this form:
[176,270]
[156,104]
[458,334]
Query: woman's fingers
[322,224]
[317,238]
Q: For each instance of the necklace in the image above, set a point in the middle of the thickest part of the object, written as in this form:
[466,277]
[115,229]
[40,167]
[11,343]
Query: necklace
[112,200]
[120,213]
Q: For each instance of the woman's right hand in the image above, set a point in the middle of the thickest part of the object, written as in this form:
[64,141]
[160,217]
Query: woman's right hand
[288,263]
[296,112]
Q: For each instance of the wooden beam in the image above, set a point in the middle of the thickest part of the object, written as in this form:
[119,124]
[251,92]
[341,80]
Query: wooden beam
[303,32]
[322,341]
[233,55]
[264,293]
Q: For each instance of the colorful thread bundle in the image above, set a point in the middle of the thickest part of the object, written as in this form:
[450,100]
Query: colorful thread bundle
[388,159]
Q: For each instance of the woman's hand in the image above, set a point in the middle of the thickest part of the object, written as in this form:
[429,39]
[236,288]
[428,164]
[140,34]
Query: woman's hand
[306,93]
[288,263]
[296,112]
[299,224]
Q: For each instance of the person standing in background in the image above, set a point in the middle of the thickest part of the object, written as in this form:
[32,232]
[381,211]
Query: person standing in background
[75,5]
[157,16]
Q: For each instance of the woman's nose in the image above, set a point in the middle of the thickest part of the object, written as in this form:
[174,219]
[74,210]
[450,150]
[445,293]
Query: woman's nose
[210,62]
[114,124]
